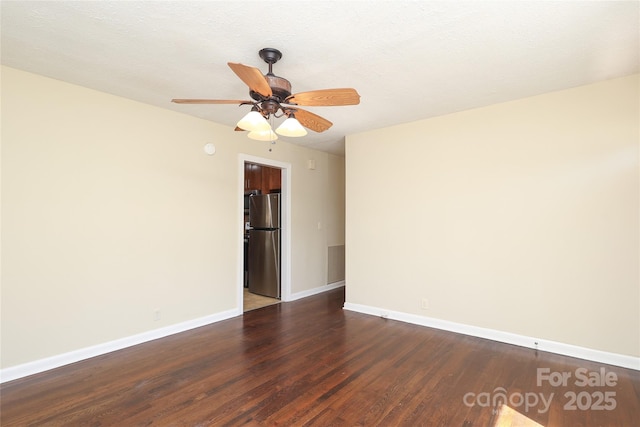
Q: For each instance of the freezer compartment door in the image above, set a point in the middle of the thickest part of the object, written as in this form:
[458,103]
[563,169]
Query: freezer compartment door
[264,262]
[264,211]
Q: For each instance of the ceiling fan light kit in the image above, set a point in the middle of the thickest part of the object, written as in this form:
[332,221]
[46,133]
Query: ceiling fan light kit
[263,135]
[291,127]
[254,121]
[271,97]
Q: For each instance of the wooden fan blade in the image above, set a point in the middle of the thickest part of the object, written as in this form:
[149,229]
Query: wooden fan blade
[325,97]
[311,121]
[210,101]
[252,78]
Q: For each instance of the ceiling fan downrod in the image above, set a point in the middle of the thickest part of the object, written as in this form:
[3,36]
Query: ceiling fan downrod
[280,87]
[270,56]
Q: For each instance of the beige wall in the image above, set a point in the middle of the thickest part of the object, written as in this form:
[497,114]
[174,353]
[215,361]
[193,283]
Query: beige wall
[111,211]
[520,217]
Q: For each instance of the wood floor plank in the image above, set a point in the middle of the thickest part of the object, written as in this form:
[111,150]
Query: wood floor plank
[309,362]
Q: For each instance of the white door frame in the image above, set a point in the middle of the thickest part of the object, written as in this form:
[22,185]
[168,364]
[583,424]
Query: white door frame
[285,218]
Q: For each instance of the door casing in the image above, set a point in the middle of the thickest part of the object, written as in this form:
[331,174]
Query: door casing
[285,219]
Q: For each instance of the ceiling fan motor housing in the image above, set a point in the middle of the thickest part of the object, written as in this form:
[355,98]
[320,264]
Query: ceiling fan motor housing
[280,87]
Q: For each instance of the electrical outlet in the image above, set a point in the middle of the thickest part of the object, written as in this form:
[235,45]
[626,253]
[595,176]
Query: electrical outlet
[156,315]
[424,304]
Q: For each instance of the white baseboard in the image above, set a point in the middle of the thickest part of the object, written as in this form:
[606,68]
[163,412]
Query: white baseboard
[504,337]
[315,291]
[31,368]
[26,369]
[37,366]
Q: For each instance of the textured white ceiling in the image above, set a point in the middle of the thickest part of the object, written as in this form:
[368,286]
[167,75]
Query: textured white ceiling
[408,60]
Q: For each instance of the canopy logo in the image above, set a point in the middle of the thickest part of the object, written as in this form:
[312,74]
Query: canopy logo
[500,397]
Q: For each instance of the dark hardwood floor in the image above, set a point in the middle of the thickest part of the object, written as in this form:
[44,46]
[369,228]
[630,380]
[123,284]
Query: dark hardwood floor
[311,363]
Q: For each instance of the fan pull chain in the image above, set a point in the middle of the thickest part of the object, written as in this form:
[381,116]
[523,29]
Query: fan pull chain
[273,141]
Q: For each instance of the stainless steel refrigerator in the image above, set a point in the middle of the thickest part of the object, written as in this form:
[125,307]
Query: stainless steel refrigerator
[264,245]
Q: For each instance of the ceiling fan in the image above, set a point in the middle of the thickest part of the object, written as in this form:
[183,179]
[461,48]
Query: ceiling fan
[271,97]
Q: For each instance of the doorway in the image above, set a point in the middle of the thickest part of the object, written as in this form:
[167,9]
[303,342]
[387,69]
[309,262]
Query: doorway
[264,177]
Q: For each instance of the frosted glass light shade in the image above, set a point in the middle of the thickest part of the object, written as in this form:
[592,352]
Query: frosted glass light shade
[263,135]
[254,121]
[291,127]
